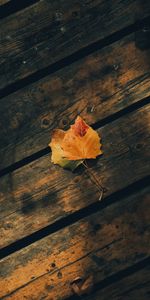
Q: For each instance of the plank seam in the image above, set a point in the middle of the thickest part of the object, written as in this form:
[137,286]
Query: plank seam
[74,217]
[117,277]
[14,6]
[19,164]
[74,57]
[102,284]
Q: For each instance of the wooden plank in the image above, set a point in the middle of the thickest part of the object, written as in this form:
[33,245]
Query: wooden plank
[8,7]
[48,31]
[135,286]
[40,193]
[14,3]
[95,87]
[99,245]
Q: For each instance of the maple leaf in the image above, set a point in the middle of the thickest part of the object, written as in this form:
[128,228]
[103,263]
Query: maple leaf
[70,148]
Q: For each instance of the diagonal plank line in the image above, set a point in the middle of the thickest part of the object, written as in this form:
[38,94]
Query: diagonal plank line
[13,6]
[63,267]
[121,113]
[116,277]
[97,125]
[74,57]
[25,161]
[74,217]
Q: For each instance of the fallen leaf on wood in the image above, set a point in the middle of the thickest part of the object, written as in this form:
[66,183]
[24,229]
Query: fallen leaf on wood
[70,148]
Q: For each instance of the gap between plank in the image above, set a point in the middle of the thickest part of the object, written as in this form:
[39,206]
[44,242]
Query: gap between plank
[74,217]
[121,113]
[74,57]
[115,277]
[97,125]
[105,282]
[13,6]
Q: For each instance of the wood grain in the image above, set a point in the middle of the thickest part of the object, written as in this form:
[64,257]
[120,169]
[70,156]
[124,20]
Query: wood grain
[40,193]
[48,31]
[135,286]
[95,87]
[97,246]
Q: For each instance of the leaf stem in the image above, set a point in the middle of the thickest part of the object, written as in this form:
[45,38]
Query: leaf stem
[94,179]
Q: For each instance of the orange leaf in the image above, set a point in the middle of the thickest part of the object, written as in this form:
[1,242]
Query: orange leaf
[76,144]
[81,141]
[57,156]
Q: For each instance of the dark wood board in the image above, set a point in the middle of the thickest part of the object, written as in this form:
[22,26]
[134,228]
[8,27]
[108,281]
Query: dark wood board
[2,2]
[135,286]
[96,87]
[9,7]
[100,245]
[16,3]
[40,193]
[48,31]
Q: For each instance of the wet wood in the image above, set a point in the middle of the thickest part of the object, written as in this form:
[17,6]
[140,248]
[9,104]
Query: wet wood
[95,87]
[40,193]
[95,247]
[48,31]
[135,286]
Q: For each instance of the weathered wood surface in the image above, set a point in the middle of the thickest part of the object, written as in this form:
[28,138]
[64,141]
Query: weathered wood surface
[96,87]
[15,3]
[40,193]
[48,31]
[135,286]
[99,246]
